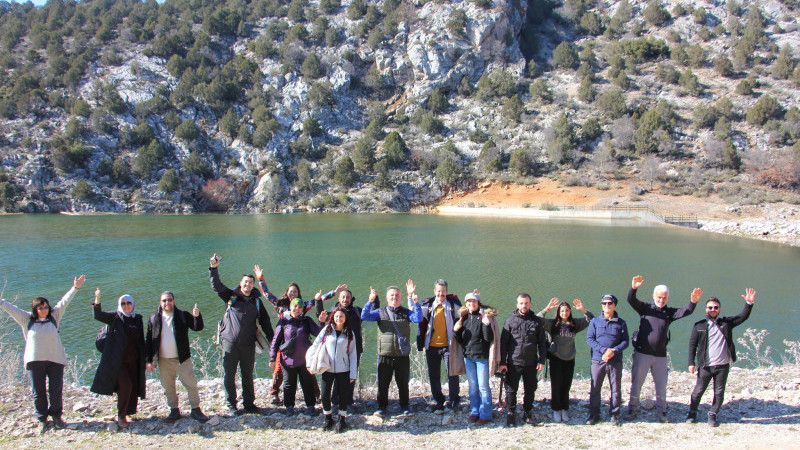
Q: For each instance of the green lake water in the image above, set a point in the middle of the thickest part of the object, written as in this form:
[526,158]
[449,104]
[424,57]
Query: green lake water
[145,255]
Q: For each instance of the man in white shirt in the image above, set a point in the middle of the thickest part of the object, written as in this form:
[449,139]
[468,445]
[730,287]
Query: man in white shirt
[167,347]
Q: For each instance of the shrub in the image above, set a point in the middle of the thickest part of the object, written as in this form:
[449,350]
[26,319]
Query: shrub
[591,130]
[697,56]
[312,127]
[591,24]
[457,22]
[688,80]
[539,89]
[704,116]
[194,164]
[396,151]
[437,102]
[121,171]
[666,73]
[784,63]
[431,124]
[312,67]
[364,155]
[565,57]
[187,131]
[765,108]
[345,172]
[655,14]
[645,49]
[521,163]
[170,182]
[82,190]
[148,159]
[320,95]
[645,138]
[513,109]
[586,91]
[217,195]
[612,103]
[448,171]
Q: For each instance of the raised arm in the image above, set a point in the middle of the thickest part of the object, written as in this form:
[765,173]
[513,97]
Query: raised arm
[638,305]
[58,310]
[583,323]
[368,314]
[416,311]
[263,285]
[749,299]
[99,314]
[213,274]
[20,316]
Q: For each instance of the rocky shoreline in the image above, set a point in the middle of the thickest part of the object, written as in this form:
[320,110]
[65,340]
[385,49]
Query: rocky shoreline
[762,409]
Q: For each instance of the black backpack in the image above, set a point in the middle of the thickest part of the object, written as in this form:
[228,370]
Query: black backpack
[102,337]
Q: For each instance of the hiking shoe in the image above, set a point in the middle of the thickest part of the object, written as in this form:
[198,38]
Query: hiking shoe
[473,419]
[712,420]
[43,426]
[311,411]
[564,416]
[615,420]
[198,415]
[341,425]
[692,417]
[58,423]
[174,415]
[556,416]
[276,401]
[252,409]
[592,420]
[436,409]
[329,423]
[530,419]
[482,422]
[379,413]
[511,420]
[452,406]
[289,410]
[233,411]
[632,414]
[407,412]
[662,417]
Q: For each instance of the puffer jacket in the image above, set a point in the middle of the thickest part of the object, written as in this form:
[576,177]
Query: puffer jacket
[522,341]
[341,351]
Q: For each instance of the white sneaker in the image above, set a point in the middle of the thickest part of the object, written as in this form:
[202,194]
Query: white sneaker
[564,416]
[556,416]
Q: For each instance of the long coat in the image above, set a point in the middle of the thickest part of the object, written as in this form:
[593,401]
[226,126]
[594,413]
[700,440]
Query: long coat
[105,379]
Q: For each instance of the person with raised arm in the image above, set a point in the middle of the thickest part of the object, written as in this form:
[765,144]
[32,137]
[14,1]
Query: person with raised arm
[122,365]
[561,353]
[167,348]
[650,343]
[711,343]
[607,336]
[44,356]
[476,331]
[394,345]
[244,314]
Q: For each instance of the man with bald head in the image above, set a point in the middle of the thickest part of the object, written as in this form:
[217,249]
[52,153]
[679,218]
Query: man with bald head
[650,343]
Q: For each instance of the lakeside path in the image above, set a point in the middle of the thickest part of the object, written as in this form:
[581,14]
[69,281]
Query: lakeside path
[776,222]
[762,409]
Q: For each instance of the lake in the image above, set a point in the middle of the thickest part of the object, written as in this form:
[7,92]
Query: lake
[145,255]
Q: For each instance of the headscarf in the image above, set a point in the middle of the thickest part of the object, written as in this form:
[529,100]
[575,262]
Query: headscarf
[296,301]
[126,298]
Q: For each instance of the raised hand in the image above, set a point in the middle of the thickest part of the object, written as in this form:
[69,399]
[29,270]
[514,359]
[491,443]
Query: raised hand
[196,311]
[696,294]
[553,303]
[323,316]
[415,298]
[214,260]
[77,282]
[749,295]
[97,296]
[578,304]
[410,287]
[637,282]
[373,294]
[318,296]
[258,272]
[340,288]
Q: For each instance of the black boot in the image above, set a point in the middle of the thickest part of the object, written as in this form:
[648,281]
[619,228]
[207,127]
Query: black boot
[328,423]
[174,414]
[511,420]
[341,425]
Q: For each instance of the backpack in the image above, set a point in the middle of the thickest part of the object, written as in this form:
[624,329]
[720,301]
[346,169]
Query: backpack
[102,337]
[49,318]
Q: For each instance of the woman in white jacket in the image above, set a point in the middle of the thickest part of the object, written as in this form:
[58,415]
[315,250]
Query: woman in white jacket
[337,340]
[44,355]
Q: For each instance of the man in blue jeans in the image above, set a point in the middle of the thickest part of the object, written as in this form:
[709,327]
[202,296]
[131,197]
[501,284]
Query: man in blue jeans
[712,343]
[607,337]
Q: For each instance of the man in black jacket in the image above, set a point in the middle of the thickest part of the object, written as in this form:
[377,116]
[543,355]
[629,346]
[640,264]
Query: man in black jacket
[712,343]
[167,347]
[244,314]
[523,349]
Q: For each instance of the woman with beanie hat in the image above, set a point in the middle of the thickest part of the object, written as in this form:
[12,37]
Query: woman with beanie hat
[476,331]
[562,352]
[122,365]
[44,355]
[292,339]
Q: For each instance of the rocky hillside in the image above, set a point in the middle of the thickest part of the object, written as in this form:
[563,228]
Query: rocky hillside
[359,105]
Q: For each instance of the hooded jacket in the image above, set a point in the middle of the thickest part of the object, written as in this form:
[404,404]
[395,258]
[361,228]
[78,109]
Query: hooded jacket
[244,313]
[522,341]
[182,321]
[105,379]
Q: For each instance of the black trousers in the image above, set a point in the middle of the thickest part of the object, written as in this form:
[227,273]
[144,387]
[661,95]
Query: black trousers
[704,376]
[290,376]
[529,382]
[434,357]
[39,374]
[351,390]
[401,368]
[244,357]
[341,381]
[561,373]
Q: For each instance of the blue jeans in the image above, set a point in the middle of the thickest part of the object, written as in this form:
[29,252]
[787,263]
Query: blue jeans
[480,397]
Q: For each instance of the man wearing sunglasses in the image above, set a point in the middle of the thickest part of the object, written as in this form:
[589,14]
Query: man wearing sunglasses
[650,343]
[712,344]
[607,337]
[167,347]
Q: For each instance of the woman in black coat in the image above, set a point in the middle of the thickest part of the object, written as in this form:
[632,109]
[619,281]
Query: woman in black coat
[122,365]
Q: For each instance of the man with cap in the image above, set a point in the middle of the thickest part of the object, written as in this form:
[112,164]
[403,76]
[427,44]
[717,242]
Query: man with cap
[650,343]
[607,337]
[523,349]
[167,347]
[712,343]
[239,326]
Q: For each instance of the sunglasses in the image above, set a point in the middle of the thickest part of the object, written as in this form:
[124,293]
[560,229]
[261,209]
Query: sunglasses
[42,308]
[606,303]
[126,303]
[168,300]
[712,308]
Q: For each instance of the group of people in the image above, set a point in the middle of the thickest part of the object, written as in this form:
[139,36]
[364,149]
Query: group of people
[467,338]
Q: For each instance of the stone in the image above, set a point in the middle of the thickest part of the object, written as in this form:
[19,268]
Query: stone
[80,407]
[447,420]
[213,421]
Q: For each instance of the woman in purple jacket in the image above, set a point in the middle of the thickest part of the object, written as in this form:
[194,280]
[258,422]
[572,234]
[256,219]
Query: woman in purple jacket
[293,339]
